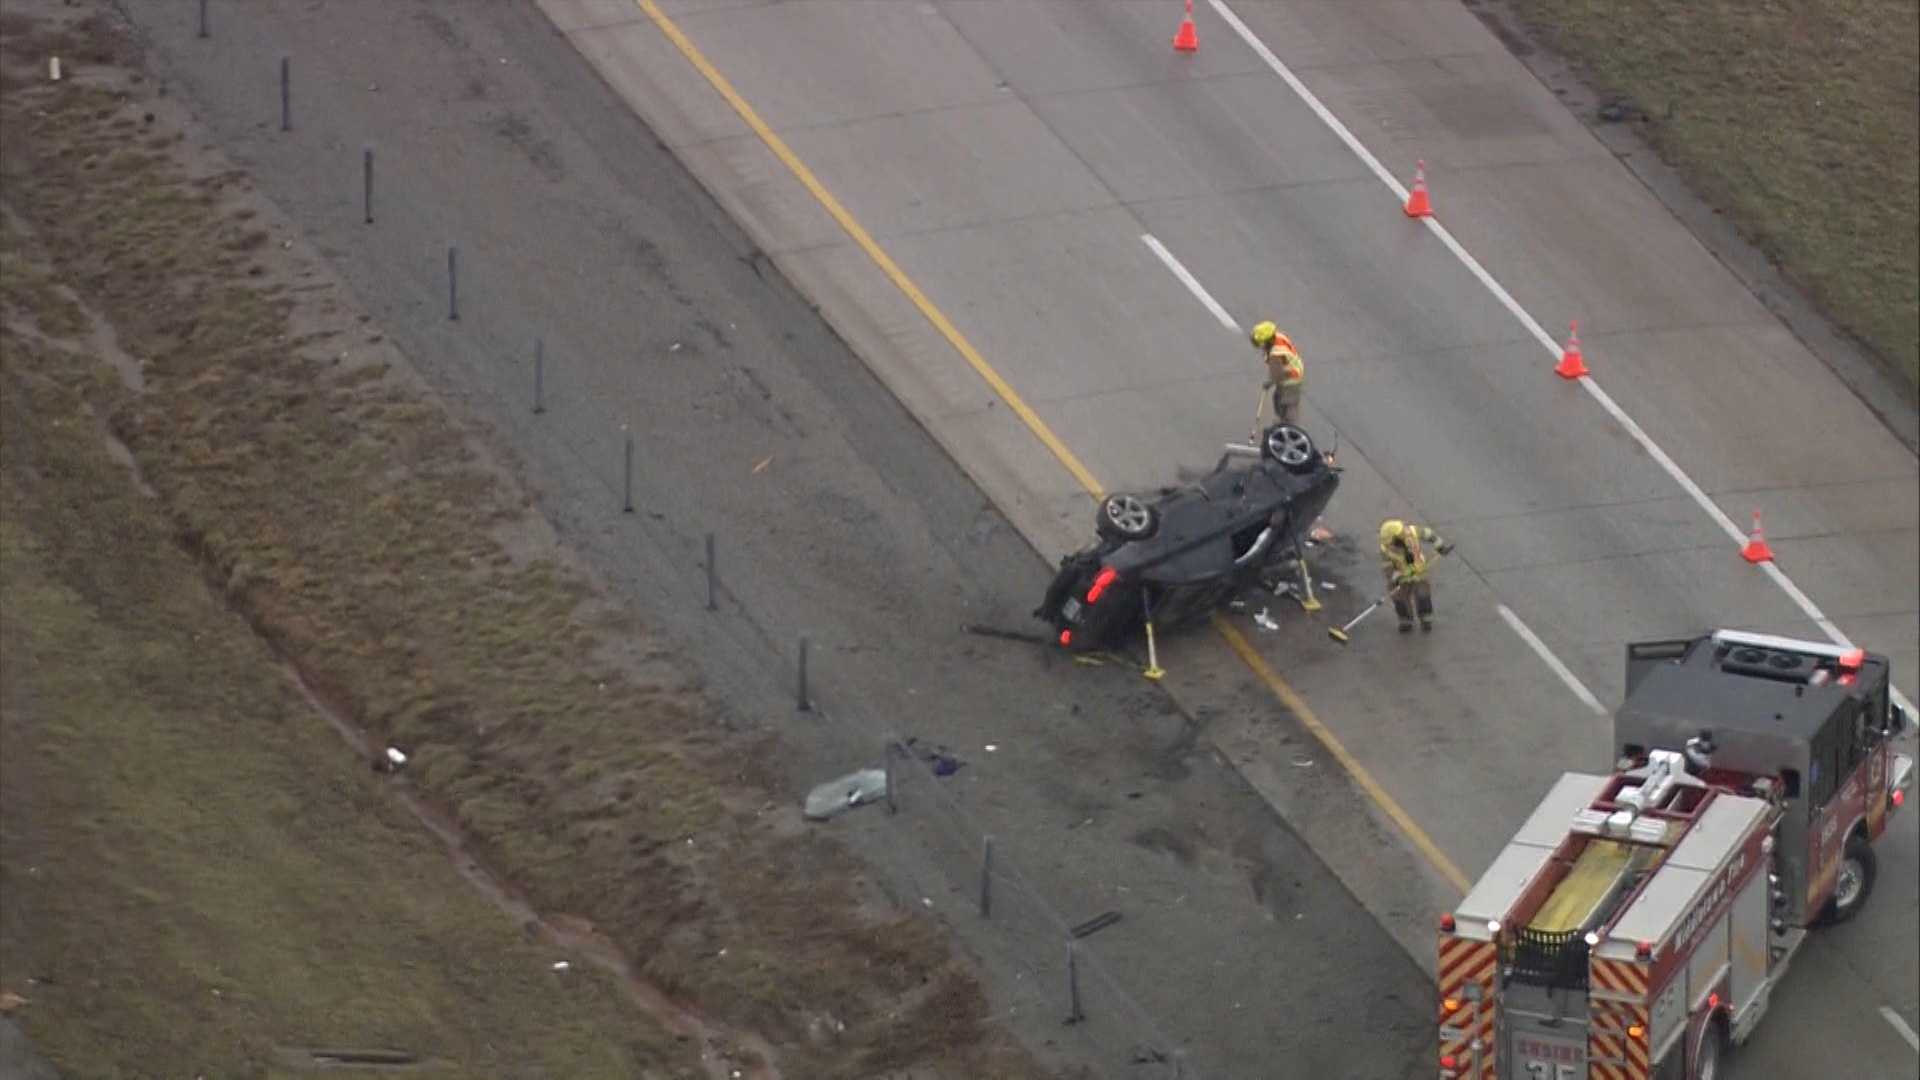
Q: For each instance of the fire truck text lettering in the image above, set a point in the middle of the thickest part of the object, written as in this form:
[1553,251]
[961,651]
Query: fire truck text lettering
[1694,923]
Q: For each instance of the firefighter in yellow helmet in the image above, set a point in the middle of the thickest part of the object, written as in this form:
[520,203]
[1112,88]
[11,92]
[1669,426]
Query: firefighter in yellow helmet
[1403,559]
[1285,372]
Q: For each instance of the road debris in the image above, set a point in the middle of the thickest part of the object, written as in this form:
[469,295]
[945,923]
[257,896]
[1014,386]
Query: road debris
[991,747]
[764,462]
[561,965]
[836,797]
[1096,924]
[9,1001]
[940,759]
[1265,621]
[1005,635]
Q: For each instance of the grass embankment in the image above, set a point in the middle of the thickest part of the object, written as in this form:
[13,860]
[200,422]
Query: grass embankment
[195,875]
[1800,121]
[339,512]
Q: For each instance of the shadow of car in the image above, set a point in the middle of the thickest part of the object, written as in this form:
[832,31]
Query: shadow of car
[1187,551]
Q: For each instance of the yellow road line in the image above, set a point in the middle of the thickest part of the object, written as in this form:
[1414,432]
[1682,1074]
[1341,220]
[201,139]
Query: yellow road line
[1239,644]
[1037,426]
[866,242]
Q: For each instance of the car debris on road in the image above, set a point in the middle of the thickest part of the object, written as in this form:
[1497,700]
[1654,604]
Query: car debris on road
[836,797]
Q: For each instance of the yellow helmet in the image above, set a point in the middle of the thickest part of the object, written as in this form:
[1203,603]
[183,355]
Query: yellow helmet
[1391,531]
[1263,334]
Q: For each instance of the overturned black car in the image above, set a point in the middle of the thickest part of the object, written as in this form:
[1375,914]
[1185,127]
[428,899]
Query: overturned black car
[1190,549]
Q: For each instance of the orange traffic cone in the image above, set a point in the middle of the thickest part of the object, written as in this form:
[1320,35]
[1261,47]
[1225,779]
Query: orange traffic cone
[1757,550]
[1187,39]
[1572,365]
[1417,204]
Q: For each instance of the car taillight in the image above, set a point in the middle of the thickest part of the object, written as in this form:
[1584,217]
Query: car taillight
[1899,798]
[1066,637]
[1100,583]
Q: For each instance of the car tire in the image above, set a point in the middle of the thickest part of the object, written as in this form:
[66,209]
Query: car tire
[1854,882]
[1291,446]
[1126,517]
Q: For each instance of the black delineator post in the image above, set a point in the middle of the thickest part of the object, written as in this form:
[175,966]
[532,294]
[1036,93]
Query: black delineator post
[804,702]
[203,19]
[453,283]
[886,766]
[986,878]
[286,93]
[1074,1015]
[626,503]
[539,376]
[713,579]
[366,186]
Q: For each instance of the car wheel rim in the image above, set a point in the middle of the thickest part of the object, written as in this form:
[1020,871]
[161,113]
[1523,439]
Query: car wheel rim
[1846,891]
[1290,446]
[1128,514]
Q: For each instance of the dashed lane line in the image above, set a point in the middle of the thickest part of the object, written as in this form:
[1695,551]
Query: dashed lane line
[1540,648]
[938,319]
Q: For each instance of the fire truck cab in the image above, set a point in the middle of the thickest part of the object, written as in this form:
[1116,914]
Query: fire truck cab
[1635,926]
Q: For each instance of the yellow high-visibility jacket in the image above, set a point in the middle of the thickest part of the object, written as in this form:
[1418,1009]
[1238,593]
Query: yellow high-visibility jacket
[1409,562]
[1285,369]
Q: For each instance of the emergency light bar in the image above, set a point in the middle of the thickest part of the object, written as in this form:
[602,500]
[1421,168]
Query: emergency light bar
[1783,644]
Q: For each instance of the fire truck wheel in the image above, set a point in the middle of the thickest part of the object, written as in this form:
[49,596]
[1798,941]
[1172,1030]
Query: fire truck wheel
[1854,883]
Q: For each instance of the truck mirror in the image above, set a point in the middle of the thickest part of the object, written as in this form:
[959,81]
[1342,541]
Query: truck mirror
[1897,722]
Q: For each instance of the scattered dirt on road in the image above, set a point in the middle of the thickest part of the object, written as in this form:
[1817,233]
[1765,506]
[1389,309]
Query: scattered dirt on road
[1800,121]
[325,498]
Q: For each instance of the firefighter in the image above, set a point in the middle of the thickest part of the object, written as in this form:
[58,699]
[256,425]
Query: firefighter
[1285,372]
[1404,562]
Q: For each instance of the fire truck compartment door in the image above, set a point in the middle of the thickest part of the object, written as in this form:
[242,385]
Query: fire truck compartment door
[1748,931]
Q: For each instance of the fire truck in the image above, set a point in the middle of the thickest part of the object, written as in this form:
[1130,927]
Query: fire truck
[1637,923]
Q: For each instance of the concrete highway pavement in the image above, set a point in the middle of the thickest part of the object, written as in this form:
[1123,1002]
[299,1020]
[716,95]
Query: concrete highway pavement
[837,517]
[1010,158]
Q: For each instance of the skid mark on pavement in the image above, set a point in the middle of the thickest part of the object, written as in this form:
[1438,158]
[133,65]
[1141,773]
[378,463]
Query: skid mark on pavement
[1037,426]
[1533,327]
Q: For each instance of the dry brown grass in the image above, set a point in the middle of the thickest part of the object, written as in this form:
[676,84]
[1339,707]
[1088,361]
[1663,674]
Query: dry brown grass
[338,510]
[1800,120]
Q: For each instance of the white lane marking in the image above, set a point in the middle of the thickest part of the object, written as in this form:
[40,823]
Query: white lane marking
[1900,1025]
[1526,633]
[1540,647]
[1532,325]
[1192,283]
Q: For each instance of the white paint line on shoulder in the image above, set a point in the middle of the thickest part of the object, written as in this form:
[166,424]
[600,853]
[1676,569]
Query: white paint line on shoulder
[1900,1025]
[1540,648]
[1532,325]
[1192,283]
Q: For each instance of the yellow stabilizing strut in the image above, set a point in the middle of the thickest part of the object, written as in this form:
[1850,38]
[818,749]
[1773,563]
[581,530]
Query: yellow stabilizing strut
[1154,671]
[1308,602]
